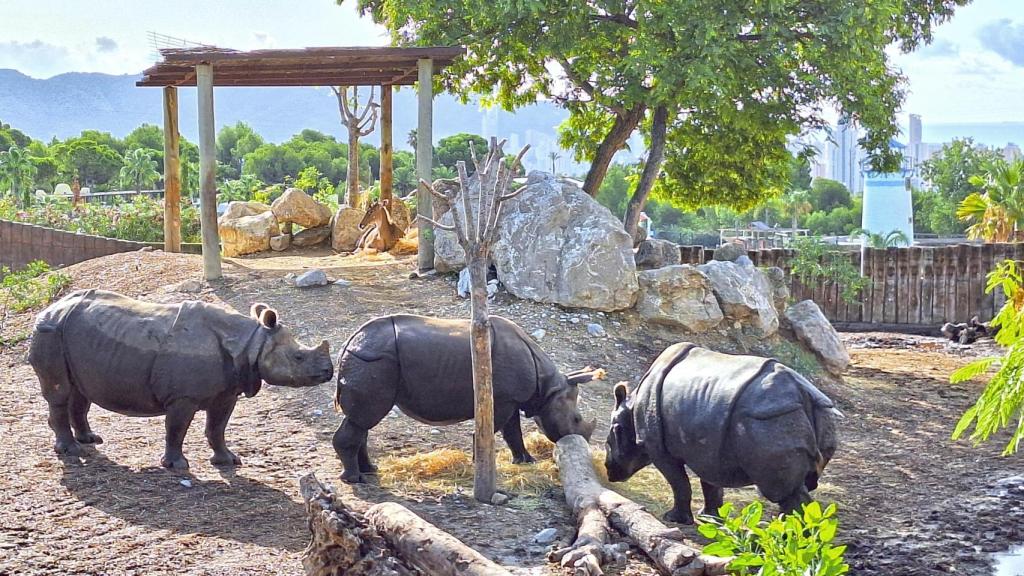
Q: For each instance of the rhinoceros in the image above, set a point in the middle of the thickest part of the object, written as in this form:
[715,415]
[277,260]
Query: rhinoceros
[142,359]
[734,420]
[423,365]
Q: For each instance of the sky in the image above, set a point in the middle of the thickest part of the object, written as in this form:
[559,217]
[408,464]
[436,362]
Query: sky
[972,72]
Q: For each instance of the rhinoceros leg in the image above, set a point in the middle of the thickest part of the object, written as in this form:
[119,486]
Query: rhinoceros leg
[46,357]
[78,409]
[512,432]
[217,416]
[178,419]
[674,472]
[795,501]
[365,464]
[713,498]
[349,441]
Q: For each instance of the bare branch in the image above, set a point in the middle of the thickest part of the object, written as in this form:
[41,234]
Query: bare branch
[436,224]
[470,227]
[439,195]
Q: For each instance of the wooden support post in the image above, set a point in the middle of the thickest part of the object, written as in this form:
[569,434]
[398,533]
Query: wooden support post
[424,162]
[386,148]
[172,172]
[208,173]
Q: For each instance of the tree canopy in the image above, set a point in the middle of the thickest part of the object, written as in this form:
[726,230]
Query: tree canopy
[732,79]
[950,171]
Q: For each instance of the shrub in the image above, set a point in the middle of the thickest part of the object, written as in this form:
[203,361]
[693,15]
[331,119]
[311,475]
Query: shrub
[798,544]
[816,262]
[141,219]
[27,289]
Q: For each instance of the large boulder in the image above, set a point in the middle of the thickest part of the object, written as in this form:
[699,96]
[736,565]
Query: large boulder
[815,331]
[345,230]
[555,244]
[297,207]
[780,288]
[400,214]
[745,295]
[246,228]
[729,252]
[678,295]
[657,253]
[311,236]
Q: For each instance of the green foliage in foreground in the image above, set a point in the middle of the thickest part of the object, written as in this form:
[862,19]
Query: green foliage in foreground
[815,262]
[29,288]
[792,545]
[1000,402]
[141,220]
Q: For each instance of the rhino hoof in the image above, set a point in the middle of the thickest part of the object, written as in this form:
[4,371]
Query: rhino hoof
[678,517]
[228,458]
[367,468]
[353,478]
[179,463]
[527,459]
[89,438]
[69,448]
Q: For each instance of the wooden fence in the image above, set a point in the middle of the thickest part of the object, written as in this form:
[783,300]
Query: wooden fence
[907,288]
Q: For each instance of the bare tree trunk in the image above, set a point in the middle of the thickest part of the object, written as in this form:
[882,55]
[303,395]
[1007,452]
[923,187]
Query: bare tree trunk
[485,481]
[352,180]
[671,553]
[651,170]
[616,138]
[359,123]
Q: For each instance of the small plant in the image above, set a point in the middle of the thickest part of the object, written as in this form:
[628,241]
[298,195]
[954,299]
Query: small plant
[816,262]
[893,239]
[798,544]
[27,289]
[1001,401]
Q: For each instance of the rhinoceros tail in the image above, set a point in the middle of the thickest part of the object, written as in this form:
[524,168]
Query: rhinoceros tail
[825,435]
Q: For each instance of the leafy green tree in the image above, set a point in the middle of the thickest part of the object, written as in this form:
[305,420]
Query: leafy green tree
[454,149]
[139,169]
[104,138]
[827,195]
[800,173]
[272,163]
[950,171]
[935,213]
[716,88]
[148,136]
[614,192]
[798,203]
[403,164]
[12,137]
[233,143]
[240,189]
[96,164]
[17,171]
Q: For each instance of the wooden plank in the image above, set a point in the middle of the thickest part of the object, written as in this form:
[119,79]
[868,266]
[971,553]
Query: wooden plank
[424,163]
[172,173]
[987,264]
[914,283]
[902,286]
[963,283]
[332,54]
[891,261]
[939,294]
[386,149]
[927,285]
[977,280]
[208,174]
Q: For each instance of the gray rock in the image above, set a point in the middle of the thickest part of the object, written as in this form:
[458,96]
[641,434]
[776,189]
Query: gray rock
[499,499]
[780,287]
[557,245]
[342,282]
[190,286]
[744,294]
[729,252]
[246,228]
[186,483]
[345,230]
[492,288]
[280,242]
[546,536]
[816,332]
[312,236]
[464,285]
[678,296]
[539,334]
[656,253]
[596,330]
[744,260]
[311,278]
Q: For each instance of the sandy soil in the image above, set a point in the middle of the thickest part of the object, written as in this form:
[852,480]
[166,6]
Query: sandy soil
[911,501]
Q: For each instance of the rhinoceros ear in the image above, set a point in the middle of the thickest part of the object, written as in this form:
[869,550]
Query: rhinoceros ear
[256,309]
[621,391]
[268,318]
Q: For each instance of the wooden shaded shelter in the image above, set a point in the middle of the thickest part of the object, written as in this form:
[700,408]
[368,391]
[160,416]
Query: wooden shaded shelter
[206,67]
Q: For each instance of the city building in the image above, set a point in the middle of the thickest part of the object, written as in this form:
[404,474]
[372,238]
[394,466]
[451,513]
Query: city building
[845,156]
[1011,152]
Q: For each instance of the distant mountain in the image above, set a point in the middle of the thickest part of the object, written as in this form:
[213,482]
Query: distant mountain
[64,105]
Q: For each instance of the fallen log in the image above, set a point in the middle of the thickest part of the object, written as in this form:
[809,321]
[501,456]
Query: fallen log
[597,507]
[385,539]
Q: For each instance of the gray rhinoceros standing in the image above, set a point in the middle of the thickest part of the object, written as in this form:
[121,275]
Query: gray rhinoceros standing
[142,359]
[734,420]
[424,366]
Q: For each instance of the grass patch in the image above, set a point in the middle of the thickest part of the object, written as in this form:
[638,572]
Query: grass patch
[448,470]
[33,287]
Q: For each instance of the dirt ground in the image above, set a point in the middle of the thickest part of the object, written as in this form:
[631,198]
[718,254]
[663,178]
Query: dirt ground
[911,501]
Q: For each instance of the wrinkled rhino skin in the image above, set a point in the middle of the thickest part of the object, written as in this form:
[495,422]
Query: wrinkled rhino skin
[734,420]
[423,365]
[142,359]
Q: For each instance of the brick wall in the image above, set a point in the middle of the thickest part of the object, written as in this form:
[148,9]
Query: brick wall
[22,243]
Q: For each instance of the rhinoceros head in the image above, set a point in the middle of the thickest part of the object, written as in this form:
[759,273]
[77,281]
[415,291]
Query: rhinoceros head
[559,416]
[623,456]
[285,362]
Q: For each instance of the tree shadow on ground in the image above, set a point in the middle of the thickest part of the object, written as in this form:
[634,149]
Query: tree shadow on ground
[239,508]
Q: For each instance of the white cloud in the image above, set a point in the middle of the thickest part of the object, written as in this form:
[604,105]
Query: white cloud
[106,44]
[37,58]
[1005,38]
[940,48]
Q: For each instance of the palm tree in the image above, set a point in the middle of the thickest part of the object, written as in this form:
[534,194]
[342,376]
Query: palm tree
[411,139]
[139,169]
[18,170]
[875,240]
[798,203]
[553,156]
[996,212]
